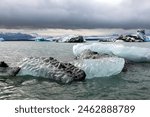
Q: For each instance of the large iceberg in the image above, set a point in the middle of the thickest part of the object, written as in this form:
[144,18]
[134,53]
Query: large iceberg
[50,68]
[136,54]
[104,67]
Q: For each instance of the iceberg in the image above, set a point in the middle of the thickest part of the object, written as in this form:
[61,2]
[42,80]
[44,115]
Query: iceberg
[40,39]
[135,54]
[50,68]
[72,39]
[2,39]
[147,39]
[104,67]
[139,37]
[141,34]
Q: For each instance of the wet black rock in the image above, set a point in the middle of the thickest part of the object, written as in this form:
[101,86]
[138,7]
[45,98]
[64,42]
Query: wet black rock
[71,70]
[77,74]
[5,70]
[76,39]
[3,64]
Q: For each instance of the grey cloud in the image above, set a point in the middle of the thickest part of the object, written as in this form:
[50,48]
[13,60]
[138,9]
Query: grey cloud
[74,14]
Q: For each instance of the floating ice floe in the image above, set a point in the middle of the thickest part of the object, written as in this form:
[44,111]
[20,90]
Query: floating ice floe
[139,37]
[41,39]
[50,68]
[135,54]
[2,39]
[103,67]
[72,39]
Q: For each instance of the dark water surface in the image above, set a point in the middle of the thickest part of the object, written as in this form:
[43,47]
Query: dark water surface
[133,84]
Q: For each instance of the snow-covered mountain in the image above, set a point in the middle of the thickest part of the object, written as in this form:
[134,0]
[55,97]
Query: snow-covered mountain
[16,36]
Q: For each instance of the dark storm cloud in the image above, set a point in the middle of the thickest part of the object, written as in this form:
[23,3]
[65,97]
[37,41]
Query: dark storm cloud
[74,14]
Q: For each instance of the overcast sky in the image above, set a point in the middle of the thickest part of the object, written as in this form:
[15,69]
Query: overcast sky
[75,14]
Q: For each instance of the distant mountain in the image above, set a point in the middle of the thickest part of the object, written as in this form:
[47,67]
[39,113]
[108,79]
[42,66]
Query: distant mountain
[16,37]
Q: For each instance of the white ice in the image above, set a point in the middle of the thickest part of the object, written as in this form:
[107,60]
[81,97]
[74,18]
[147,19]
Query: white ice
[34,67]
[104,67]
[136,54]
[1,39]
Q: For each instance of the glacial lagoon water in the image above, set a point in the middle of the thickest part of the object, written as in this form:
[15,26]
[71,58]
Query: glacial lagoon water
[133,84]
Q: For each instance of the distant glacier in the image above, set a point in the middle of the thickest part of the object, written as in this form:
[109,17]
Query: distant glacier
[16,36]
